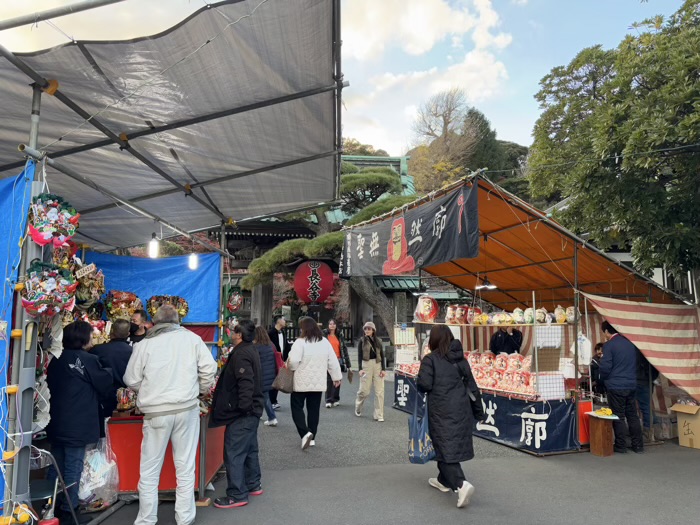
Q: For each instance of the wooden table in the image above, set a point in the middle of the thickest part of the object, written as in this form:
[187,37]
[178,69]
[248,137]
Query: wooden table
[601,434]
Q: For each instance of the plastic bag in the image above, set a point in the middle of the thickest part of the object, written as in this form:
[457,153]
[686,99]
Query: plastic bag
[420,446]
[99,482]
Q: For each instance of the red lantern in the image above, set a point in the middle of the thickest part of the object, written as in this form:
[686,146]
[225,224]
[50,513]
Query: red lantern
[313,281]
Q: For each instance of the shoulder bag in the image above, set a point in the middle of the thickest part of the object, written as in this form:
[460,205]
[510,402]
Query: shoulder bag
[284,382]
[473,393]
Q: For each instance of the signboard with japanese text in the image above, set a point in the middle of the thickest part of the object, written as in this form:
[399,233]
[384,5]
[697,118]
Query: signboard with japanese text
[539,427]
[406,393]
[441,230]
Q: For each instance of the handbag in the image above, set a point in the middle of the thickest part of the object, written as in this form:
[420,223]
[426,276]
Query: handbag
[420,446]
[284,382]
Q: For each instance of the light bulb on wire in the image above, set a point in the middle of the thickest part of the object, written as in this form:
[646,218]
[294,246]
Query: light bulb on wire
[193,261]
[153,247]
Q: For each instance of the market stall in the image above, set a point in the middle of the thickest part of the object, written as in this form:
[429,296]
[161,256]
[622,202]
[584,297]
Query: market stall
[67,284]
[126,435]
[525,274]
[144,171]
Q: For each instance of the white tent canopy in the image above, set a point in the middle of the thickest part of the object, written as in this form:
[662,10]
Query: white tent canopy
[233,113]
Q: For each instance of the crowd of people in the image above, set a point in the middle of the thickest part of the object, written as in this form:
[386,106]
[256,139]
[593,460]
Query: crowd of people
[171,369]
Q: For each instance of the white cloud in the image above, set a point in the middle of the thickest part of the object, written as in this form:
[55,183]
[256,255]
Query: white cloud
[519,2]
[382,113]
[369,26]
[488,20]
[480,74]
[383,117]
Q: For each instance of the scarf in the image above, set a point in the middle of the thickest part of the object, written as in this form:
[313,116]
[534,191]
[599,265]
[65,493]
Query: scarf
[162,328]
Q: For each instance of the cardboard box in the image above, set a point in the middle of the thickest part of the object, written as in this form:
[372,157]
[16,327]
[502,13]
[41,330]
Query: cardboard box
[688,425]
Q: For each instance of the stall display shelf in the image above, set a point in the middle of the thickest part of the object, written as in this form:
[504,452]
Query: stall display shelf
[404,371]
[494,325]
[511,394]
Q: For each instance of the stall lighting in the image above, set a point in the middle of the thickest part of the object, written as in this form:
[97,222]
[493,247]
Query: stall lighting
[193,261]
[486,285]
[153,247]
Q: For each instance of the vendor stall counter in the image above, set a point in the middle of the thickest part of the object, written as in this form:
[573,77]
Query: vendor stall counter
[126,434]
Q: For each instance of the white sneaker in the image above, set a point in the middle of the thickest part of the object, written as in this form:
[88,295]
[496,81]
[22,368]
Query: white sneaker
[328,405]
[336,404]
[306,440]
[433,482]
[358,413]
[464,494]
[270,423]
[313,443]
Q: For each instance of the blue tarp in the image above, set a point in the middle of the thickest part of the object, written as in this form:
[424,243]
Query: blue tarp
[15,195]
[166,276]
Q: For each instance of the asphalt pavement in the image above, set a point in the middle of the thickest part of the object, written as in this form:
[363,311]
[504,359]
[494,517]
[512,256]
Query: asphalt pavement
[358,473]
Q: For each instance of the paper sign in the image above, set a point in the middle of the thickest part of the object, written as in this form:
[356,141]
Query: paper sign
[406,355]
[404,335]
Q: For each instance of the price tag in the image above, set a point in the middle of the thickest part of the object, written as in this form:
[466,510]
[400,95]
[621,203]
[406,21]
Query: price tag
[86,270]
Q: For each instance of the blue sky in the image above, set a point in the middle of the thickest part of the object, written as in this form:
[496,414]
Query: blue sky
[397,53]
[498,52]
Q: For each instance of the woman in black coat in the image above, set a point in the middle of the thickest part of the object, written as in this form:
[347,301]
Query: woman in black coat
[78,385]
[269,368]
[446,377]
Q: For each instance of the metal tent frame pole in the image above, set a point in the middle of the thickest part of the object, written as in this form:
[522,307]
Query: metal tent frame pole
[338,77]
[38,155]
[54,13]
[24,350]
[153,130]
[577,322]
[222,179]
[222,299]
[123,144]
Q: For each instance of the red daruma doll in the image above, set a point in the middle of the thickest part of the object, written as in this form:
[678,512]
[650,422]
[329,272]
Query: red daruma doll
[426,310]
[472,312]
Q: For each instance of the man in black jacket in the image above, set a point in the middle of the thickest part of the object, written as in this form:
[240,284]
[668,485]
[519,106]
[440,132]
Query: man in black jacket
[114,355]
[279,340]
[139,326]
[238,404]
[506,340]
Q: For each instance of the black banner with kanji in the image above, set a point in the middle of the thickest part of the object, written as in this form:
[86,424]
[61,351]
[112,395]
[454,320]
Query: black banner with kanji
[438,231]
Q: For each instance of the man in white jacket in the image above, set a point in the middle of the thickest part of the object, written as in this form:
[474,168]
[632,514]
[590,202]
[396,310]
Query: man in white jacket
[169,369]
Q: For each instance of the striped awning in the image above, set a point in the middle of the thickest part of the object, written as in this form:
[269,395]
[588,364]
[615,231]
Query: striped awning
[667,335]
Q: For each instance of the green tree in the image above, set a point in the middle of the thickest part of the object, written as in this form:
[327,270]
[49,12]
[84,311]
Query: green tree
[364,194]
[619,137]
[355,147]
[456,139]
